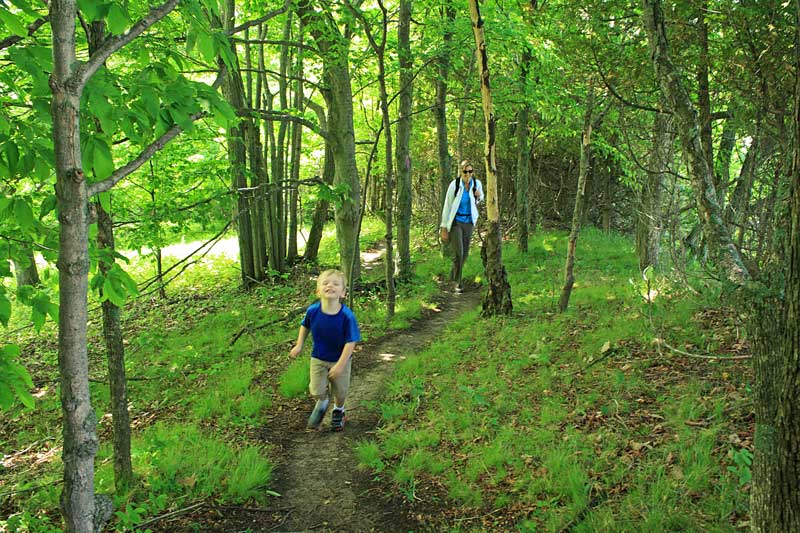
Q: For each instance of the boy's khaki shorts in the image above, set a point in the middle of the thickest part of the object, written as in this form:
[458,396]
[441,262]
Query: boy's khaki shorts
[319,379]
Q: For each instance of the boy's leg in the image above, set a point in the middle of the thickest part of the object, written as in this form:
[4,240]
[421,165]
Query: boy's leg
[318,387]
[339,388]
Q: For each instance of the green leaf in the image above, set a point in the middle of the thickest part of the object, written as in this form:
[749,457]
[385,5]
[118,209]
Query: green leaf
[38,319]
[6,398]
[205,44]
[23,393]
[11,22]
[118,19]
[105,201]
[5,309]
[23,213]
[48,204]
[111,292]
[25,6]
[102,161]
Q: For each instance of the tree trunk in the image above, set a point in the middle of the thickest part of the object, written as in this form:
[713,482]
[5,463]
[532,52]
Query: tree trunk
[339,98]
[703,94]
[115,353]
[650,218]
[403,154]
[577,213]
[497,299]
[448,14]
[320,216]
[722,168]
[775,495]
[112,329]
[25,271]
[297,142]
[725,252]
[233,89]
[523,156]
[80,438]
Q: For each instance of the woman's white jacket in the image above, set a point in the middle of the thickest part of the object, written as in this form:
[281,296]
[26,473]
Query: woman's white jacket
[453,199]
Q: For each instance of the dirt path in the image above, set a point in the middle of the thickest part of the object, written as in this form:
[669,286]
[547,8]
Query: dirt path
[321,488]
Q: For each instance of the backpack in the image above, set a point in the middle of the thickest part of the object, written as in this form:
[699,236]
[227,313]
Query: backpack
[458,184]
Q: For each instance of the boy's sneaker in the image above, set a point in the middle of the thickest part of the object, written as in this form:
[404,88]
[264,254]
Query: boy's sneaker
[317,414]
[337,420]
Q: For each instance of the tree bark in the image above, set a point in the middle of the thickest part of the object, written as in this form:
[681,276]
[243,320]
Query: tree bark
[233,89]
[775,495]
[497,299]
[577,213]
[320,216]
[403,153]
[115,354]
[25,271]
[523,156]
[297,143]
[448,14]
[339,98]
[650,218]
[112,330]
[80,438]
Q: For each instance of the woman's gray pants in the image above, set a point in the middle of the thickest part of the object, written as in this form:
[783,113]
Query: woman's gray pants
[460,235]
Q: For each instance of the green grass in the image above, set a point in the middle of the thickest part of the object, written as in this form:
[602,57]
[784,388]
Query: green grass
[567,421]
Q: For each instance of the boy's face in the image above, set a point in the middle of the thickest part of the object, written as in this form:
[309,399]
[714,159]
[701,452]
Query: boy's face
[331,286]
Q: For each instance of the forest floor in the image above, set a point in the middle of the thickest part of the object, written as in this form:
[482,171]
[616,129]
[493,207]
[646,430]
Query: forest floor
[320,485]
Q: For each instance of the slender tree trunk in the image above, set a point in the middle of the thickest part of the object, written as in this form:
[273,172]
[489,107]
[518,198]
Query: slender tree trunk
[297,142]
[523,156]
[447,14]
[703,94]
[253,144]
[339,98]
[497,299]
[722,167]
[112,330]
[775,495]
[25,271]
[115,350]
[650,218]
[320,216]
[233,89]
[577,213]
[79,421]
[403,153]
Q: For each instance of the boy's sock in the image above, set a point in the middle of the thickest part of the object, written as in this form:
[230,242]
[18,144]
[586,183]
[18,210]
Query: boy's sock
[338,408]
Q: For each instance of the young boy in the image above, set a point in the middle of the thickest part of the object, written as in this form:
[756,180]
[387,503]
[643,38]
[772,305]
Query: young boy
[335,332]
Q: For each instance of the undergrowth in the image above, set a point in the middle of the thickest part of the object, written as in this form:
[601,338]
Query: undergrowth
[582,421]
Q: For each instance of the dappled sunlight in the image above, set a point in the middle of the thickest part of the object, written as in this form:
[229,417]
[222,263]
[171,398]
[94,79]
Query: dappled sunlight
[390,357]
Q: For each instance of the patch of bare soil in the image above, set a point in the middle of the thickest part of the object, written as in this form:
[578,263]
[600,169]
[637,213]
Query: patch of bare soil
[320,486]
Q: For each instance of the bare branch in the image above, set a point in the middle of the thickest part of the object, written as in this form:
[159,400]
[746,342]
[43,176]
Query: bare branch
[273,115]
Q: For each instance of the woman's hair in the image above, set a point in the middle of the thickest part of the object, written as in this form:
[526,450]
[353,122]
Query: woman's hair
[332,272]
[466,163]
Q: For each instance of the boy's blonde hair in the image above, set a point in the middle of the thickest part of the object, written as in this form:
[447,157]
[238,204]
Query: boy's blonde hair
[331,272]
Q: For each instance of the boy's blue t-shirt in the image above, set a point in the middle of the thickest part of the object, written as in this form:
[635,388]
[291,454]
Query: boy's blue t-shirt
[330,332]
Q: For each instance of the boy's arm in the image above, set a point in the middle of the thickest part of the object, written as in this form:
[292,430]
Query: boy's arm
[301,339]
[347,352]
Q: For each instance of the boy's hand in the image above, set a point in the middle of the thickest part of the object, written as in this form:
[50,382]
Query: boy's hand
[445,235]
[294,352]
[335,372]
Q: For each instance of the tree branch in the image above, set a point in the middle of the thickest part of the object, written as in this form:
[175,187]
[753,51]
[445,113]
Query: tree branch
[272,115]
[112,44]
[147,153]
[261,20]
[32,27]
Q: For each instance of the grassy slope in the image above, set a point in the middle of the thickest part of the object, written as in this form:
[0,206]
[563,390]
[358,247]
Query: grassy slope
[546,422]
[513,434]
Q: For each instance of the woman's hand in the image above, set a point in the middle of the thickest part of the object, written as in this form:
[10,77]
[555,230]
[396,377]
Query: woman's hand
[445,235]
